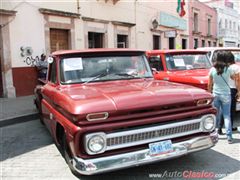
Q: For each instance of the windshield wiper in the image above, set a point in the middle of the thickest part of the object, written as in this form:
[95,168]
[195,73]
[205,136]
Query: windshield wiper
[98,76]
[105,73]
[124,74]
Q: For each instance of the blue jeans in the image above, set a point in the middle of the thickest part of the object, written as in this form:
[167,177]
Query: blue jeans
[223,105]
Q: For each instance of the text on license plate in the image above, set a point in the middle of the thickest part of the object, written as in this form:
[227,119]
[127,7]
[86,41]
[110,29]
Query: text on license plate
[161,147]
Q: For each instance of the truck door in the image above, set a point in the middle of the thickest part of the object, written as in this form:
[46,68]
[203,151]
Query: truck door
[48,92]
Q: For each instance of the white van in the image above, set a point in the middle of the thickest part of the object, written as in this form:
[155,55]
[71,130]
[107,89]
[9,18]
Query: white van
[213,50]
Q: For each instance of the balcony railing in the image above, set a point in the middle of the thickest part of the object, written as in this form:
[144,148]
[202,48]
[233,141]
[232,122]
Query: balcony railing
[228,33]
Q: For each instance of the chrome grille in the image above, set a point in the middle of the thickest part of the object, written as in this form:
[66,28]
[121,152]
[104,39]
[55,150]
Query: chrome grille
[152,134]
[139,136]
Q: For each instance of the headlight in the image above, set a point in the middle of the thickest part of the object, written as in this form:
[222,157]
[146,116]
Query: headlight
[208,123]
[95,143]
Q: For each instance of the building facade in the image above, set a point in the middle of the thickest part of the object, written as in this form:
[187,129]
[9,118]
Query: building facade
[202,25]
[31,28]
[228,21]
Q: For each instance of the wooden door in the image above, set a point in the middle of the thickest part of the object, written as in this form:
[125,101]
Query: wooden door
[59,39]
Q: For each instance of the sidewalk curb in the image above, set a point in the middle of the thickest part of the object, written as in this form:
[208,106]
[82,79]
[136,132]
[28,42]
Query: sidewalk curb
[20,119]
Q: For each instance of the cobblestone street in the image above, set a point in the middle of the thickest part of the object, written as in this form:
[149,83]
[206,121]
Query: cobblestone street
[28,152]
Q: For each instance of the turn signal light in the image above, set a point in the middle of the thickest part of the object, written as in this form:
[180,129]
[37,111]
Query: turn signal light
[203,102]
[97,116]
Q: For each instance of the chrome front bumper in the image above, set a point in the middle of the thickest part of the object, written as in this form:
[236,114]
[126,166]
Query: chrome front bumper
[110,163]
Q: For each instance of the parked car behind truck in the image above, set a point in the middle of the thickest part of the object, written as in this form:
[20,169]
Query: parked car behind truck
[182,66]
[213,50]
[106,112]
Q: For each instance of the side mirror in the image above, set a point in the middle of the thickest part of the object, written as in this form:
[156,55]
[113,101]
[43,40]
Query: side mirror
[50,60]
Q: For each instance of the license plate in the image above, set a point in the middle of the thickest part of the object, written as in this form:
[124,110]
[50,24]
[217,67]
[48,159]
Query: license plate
[161,147]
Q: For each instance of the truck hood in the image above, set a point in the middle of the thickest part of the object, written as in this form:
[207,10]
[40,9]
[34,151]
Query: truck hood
[125,95]
[194,76]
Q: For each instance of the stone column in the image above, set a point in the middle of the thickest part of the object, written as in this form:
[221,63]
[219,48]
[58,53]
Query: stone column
[7,76]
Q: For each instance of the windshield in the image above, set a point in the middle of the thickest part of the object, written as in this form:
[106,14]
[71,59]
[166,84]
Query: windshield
[187,61]
[92,69]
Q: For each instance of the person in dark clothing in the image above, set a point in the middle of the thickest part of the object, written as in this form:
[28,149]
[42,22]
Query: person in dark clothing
[42,66]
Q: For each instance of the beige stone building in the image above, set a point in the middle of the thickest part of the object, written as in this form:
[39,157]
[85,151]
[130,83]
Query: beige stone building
[32,27]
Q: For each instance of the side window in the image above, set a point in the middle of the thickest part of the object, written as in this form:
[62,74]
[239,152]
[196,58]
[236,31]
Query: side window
[52,72]
[156,62]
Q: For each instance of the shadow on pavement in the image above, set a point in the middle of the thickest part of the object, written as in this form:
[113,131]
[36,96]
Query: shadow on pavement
[22,138]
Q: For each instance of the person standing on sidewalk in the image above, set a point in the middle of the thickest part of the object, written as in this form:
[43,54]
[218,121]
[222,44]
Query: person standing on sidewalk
[219,77]
[234,85]
[42,66]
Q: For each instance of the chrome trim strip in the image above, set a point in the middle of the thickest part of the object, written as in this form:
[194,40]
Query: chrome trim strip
[140,157]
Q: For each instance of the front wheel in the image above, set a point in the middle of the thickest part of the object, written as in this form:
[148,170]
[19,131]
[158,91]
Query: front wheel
[66,153]
[39,109]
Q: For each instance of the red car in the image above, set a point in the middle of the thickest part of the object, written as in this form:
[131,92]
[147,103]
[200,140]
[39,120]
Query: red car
[105,111]
[182,66]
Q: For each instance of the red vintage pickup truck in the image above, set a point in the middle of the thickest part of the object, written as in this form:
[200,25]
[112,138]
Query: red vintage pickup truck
[182,66]
[105,111]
